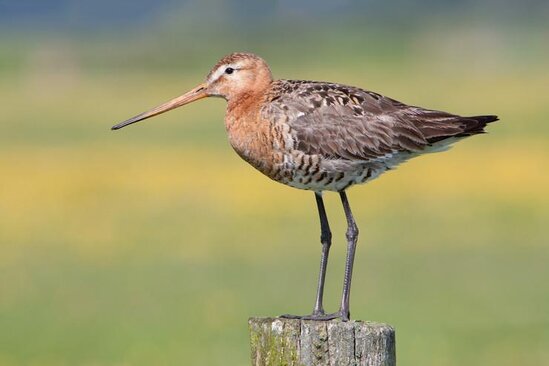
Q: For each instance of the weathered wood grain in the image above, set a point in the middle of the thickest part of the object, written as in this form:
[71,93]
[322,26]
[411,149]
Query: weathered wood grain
[290,342]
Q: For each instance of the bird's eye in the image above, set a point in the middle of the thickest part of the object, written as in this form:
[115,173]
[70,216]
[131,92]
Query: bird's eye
[229,70]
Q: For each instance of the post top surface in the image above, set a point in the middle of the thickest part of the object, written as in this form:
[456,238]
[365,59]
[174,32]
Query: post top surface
[335,322]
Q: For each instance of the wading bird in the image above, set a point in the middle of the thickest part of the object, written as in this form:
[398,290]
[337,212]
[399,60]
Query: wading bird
[320,136]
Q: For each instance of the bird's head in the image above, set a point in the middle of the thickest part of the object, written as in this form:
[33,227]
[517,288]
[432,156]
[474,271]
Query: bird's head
[233,77]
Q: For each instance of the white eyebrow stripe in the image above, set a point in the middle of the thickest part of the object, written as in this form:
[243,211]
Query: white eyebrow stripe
[220,71]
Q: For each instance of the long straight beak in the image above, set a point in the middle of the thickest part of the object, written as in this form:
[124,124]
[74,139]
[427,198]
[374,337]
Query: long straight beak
[197,93]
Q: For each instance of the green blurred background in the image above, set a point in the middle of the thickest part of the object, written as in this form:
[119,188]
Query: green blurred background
[154,244]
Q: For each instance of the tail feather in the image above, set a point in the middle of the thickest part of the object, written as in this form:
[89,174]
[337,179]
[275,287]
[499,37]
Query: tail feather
[485,119]
[478,125]
[460,127]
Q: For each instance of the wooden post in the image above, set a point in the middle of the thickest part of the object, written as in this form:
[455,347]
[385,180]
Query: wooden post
[290,342]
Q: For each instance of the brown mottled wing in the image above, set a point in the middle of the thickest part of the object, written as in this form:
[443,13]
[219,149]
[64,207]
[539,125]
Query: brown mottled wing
[338,121]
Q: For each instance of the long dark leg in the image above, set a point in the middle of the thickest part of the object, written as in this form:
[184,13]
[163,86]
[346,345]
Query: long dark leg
[326,241]
[352,237]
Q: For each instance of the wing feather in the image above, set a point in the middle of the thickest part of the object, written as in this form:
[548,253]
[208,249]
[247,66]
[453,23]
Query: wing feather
[338,121]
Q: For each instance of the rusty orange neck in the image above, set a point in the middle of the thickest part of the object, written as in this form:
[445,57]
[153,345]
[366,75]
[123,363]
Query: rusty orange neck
[247,103]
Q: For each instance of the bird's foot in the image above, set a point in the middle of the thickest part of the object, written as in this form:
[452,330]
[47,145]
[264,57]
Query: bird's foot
[320,316]
[315,313]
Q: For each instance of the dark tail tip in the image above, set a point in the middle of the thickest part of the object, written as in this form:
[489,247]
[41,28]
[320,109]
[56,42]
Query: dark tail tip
[485,119]
[475,125]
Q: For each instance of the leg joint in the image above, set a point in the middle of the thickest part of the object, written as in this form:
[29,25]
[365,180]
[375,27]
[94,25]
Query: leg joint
[352,232]
[326,237]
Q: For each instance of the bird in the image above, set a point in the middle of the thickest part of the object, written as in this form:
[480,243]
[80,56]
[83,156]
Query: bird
[320,136]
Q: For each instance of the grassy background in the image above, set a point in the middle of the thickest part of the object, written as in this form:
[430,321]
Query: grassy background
[153,245]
